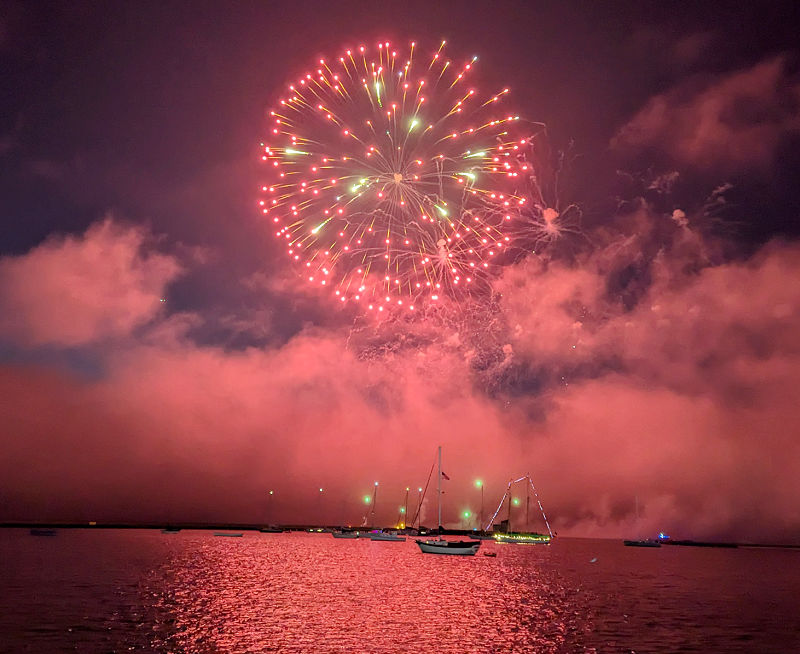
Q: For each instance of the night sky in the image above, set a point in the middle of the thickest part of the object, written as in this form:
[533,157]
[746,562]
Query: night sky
[160,360]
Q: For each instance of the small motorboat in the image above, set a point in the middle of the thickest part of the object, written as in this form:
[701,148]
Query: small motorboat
[458,547]
[170,530]
[270,530]
[490,553]
[345,534]
[229,534]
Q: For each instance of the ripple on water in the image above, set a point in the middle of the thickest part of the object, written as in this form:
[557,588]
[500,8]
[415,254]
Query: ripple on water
[191,592]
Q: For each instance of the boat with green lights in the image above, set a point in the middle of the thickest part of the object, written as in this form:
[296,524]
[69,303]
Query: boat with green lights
[502,532]
[523,539]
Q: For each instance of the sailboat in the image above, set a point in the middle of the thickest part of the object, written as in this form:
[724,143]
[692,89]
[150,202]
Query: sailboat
[645,542]
[441,546]
[505,534]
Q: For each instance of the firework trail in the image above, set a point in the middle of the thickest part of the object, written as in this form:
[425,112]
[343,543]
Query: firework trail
[541,221]
[391,179]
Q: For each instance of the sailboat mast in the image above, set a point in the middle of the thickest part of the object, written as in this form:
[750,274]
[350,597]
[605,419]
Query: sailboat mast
[508,527]
[439,489]
[527,504]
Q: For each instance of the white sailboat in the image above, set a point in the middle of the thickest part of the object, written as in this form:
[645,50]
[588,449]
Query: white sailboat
[440,545]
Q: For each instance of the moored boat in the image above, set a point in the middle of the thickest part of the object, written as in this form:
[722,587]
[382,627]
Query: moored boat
[345,534]
[457,547]
[640,542]
[228,534]
[441,546]
[502,532]
[384,536]
[647,542]
[523,539]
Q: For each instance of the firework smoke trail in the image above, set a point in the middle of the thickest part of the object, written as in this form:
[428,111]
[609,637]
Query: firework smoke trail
[541,221]
[391,179]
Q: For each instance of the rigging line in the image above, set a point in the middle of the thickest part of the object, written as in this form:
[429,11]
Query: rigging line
[541,508]
[424,492]
[499,506]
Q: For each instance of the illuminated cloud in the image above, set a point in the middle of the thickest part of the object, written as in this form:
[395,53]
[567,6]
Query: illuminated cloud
[730,123]
[75,290]
[674,384]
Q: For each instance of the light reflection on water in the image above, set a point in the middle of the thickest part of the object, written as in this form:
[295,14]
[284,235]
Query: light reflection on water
[316,592]
[192,592]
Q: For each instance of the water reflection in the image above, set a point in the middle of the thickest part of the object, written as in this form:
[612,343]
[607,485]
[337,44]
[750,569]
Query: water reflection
[303,592]
[109,591]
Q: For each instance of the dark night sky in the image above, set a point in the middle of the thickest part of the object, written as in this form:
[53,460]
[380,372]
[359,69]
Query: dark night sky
[129,167]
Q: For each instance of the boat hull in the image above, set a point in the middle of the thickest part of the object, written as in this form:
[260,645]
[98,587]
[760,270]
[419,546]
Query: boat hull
[641,543]
[345,534]
[523,539]
[387,537]
[457,548]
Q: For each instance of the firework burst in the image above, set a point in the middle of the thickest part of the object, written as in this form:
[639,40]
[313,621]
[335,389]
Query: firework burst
[391,179]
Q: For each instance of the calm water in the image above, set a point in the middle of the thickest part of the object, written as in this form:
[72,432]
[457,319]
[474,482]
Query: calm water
[115,591]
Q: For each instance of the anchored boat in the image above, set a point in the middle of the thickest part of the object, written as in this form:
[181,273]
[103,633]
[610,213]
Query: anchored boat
[642,542]
[523,539]
[505,533]
[441,546]
[462,547]
[379,535]
[648,542]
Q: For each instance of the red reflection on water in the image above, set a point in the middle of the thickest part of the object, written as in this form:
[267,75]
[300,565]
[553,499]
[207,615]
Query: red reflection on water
[303,592]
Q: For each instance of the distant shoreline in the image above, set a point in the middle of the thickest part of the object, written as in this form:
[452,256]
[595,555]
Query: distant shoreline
[204,526]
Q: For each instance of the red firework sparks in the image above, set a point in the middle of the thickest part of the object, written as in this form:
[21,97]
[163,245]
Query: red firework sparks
[390,181]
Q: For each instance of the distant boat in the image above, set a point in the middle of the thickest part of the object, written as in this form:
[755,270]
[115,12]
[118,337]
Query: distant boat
[441,546]
[345,534]
[642,542]
[270,530]
[170,530]
[39,531]
[384,536]
[647,542]
[228,534]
